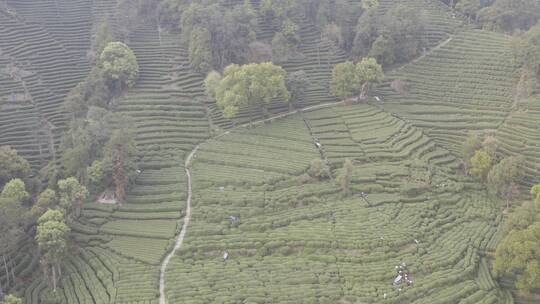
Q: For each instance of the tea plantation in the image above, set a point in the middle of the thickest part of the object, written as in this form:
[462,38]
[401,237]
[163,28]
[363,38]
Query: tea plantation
[260,229]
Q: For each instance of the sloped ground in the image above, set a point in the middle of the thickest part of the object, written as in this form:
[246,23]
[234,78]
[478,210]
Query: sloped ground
[303,243]
[466,85]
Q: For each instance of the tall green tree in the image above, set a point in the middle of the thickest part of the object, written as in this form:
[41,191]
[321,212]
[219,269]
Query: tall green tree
[52,239]
[503,178]
[200,50]
[12,165]
[119,161]
[480,164]
[250,85]
[344,84]
[518,255]
[11,230]
[119,65]
[16,190]
[46,200]
[297,83]
[211,83]
[72,195]
[368,71]
[471,144]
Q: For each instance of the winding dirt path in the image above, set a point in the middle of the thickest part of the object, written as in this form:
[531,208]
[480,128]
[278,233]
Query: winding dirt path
[182,234]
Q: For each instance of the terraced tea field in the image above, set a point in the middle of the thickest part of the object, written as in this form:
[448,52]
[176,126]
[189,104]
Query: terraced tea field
[466,85]
[301,242]
[261,230]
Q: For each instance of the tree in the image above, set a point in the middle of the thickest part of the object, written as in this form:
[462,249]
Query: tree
[12,165]
[119,160]
[535,193]
[369,4]
[16,190]
[526,48]
[518,254]
[469,7]
[211,83]
[11,299]
[45,201]
[297,83]
[318,169]
[72,195]
[95,172]
[480,164]
[491,145]
[344,84]
[200,50]
[471,144]
[119,65]
[368,71]
[510,15]
[281,49]
[75,160]
[250,85]
[503,178]
[52,239]
[344,176]
[11,230]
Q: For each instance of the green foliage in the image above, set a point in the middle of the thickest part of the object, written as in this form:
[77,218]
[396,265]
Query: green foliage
[535,192]
[52,239]
[12,165]
[119,65]
[519,254]
[502,175]
[297,83]
[16,190]
[95,172]
[200,50]
[11,299]
[250,85]
[344,84]
[75,159]
[510,15]
[369,4]
[470,146]
[276,10]
[221,35]
[72,194]
[281,49]
[11,223]
[211,83]
[289,30]
[398,37]
[51,297]
[46,200]
[526,49]
[319,169]
[480,164]
[348,79]
[119,160]
[368,71]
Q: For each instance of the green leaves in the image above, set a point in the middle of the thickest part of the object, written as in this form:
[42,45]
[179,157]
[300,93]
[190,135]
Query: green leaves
[119,64]
[480,164]
[348,79]
[12,165]
[250,85]
[16,190]
[52,235]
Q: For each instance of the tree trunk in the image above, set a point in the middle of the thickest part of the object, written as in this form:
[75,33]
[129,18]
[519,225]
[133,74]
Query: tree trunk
[12,268]
[54,278]
[6,268]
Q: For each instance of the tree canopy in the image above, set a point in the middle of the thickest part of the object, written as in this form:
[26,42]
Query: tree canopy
[250,85]
[12,165]
[52,239]
[349,79]
[119,65]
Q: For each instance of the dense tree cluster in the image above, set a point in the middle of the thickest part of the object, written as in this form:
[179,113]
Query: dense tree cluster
[518,254]
[248,86]
[395,38]
[349,79]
